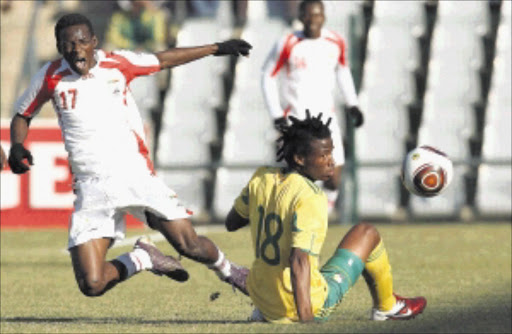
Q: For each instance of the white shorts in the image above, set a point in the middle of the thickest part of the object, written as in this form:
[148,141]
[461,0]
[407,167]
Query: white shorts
[101,205]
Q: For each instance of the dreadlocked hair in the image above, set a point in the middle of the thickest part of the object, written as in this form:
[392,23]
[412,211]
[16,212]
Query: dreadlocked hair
[69,20]
[296,138]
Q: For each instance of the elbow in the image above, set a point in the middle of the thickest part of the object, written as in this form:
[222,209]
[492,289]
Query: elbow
[230,227]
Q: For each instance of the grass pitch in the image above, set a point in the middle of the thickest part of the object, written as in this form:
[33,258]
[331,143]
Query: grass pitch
[464,271]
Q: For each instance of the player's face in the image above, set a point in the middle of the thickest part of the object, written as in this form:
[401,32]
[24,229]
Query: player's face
[313,19]
[319,163]
[76,44]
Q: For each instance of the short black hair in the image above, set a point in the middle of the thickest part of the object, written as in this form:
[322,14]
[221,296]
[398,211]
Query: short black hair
[69,20]
[296,138]
[304,3]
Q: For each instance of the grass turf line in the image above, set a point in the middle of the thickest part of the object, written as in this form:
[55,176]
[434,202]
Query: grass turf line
[464,270]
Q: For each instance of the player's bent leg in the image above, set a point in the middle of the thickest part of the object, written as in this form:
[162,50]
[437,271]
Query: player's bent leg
[93,274]
[346,265]
[182,236]
[361,239]
[365,242]
[340,272]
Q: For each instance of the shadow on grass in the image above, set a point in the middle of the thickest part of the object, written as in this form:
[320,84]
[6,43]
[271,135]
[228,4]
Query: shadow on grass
[114,320]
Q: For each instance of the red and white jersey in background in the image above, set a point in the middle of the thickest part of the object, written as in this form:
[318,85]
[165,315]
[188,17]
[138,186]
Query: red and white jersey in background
[300,73]
[101,126]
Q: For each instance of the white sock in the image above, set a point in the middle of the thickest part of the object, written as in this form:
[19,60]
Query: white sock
[135,261]
[222,266]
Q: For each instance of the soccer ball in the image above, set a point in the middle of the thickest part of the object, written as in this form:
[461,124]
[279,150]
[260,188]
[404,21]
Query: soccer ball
[426,171]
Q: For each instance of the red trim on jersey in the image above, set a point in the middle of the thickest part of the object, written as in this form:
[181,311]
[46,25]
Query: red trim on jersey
[47,88]
[341,44]
[145,152]
[287,111]
[129,70]
[291,41]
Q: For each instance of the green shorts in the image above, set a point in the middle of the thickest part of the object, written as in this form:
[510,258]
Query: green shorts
[341,272]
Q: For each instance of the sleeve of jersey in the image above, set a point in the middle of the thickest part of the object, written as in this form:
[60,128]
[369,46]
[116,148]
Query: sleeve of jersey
[307,220]
[346,83]
[242,203]
[135,64]
[37,94]
[269,83]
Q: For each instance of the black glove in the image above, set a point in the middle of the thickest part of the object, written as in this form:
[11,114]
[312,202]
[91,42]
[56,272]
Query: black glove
[233,47]
[357,116]
[279,123]
[16,156]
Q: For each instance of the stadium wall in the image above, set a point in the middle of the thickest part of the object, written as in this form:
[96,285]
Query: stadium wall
[42,198]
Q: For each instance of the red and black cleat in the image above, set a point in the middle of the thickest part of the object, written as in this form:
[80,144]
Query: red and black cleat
[404,309]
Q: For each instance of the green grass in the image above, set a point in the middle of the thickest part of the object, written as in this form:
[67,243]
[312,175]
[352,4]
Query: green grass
[464,271]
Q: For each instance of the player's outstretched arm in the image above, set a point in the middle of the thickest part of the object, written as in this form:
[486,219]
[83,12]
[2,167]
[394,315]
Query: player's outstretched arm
[301,281]
[179,56]
[18,153]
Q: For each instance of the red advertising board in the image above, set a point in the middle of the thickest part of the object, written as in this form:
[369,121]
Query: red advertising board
[43,197]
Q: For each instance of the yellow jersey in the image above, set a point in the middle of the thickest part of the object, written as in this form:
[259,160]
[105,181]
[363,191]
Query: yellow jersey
[285,210]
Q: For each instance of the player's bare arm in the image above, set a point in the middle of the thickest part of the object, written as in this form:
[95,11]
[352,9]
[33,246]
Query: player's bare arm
[234,221]
[180,56]
[300,278]
[18,153]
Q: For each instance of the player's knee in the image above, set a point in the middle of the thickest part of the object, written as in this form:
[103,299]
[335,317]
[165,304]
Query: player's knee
[91,287]
[369,232]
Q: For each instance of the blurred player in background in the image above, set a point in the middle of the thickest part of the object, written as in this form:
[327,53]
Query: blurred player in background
[287,213]
[300,73]
[113,175]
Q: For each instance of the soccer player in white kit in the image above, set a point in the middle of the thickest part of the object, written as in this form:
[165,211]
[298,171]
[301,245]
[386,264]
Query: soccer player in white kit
[300,73]
[103,135]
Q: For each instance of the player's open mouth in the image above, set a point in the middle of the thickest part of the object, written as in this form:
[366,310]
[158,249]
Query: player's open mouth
[80,64]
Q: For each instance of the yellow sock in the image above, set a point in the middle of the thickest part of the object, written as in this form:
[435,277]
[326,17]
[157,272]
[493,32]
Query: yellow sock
[377,272]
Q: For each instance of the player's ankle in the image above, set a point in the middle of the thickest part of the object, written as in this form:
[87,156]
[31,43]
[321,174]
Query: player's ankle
[222,266]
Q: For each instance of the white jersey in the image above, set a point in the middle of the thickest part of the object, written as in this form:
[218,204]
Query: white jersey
[101,127]
[300,73]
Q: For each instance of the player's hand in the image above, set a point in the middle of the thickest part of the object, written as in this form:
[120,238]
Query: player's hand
[279,123]
[357,116]
[233,47]
[16,156]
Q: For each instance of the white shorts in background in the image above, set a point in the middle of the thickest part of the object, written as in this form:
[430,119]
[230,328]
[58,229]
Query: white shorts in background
[101,205]
[338,154]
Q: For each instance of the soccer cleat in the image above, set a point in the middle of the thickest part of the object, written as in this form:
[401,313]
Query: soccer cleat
[404,309]
[162,264]
[238,278]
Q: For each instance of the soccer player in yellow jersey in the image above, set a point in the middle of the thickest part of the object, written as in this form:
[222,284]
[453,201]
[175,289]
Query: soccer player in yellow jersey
[287,214]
